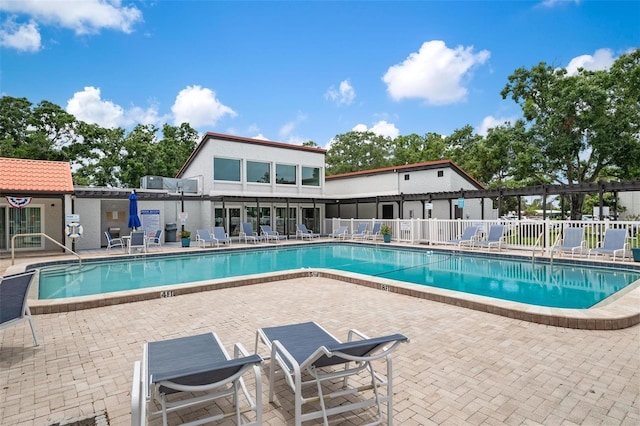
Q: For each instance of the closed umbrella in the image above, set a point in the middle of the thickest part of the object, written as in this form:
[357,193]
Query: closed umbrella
[134,220]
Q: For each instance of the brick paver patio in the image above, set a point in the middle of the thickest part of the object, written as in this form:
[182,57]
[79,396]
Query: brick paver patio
[461,367]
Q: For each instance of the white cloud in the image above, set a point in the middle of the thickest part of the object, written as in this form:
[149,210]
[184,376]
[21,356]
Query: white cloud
[381,128]
[490,122]
[83,17]
[25,37]
[89,106]
[601,60]
[343,96]
[287,129]
[553,3]
[260,136]
[199,107]
[435,73]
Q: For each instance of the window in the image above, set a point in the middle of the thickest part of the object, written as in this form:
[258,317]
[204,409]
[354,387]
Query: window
[285,174]
[226,169]
[406,177]
[310,176]
[440,173]
[258,172]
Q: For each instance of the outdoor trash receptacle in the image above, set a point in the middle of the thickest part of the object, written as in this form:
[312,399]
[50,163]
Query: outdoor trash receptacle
[170,230]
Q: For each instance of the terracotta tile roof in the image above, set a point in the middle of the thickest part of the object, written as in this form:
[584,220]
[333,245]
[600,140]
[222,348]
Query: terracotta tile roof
[33,176]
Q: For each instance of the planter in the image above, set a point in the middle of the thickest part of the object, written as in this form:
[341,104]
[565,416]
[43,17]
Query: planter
[186,242]
[636,254]
[387,238]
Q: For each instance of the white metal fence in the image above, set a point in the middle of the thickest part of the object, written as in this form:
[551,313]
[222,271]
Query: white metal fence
[518,235]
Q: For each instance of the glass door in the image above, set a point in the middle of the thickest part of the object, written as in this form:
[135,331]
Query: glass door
[229,219]
[311,219]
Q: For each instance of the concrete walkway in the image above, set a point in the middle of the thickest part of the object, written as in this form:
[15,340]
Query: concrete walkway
[461,367]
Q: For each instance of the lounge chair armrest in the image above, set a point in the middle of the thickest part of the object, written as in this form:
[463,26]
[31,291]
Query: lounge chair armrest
[355,332]
[138,415]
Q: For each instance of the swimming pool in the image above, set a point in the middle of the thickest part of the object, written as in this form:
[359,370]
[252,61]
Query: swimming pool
[542,284]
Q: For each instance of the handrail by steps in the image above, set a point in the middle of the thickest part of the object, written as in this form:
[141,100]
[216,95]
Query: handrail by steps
[13,254]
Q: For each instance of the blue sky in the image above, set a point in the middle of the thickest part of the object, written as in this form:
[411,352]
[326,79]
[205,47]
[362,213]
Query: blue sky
[293,71]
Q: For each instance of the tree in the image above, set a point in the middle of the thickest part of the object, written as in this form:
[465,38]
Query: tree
[414,148]
[580,127]
[355,151]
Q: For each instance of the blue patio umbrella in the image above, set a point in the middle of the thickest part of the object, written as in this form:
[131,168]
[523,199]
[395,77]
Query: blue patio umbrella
[134,220]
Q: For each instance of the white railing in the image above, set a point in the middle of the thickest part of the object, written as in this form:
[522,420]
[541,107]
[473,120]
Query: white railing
[531,235]
[39,234]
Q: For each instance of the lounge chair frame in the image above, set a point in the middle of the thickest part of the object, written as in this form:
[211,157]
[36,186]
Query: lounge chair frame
[340,232]
[308,356]
[198,359]
[155,239]
[494,238]
[204,238]
[270,234]
[614,242]
[137,240]
[571,241]
[375,232]
[220,236]
[360,233]
[114,242]
[303,232]
[469,237]
[249,234]
[14,306]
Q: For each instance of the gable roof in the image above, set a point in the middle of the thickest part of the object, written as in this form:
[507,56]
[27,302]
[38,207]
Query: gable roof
[210,135]
[410,168]
[34,176]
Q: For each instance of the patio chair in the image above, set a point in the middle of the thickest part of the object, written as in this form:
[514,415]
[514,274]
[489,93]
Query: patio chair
[469,235]
[155,239]
[494,238]
[113,242]
[571,241]
[613,244]
[137,242]
[204,238]
[339,233]
[220,236]
[270,234]
[14,309]
[303,232]
[360,233]
[375,231]
[195,364]
[312,360]
[249,234]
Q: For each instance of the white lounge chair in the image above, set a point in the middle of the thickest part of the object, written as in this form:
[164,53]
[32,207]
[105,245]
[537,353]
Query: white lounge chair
[614,243]
[469,235]
[339,233]
[360,233]
[494,238]
[270,234]
[137,242]
[249,234]
[375,232]
[303,232]
[194,364]
[310,357]
[155,239]
[204,238]
[14,309]
[220,236]
[113,242]
[571,241]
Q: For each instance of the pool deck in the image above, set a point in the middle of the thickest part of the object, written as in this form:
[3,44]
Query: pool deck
[463,366]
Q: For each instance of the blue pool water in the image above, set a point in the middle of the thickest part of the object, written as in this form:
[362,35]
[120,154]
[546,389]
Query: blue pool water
[566,286]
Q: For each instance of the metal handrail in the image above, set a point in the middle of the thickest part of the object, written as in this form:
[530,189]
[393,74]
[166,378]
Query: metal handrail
[13,254]
[538,242]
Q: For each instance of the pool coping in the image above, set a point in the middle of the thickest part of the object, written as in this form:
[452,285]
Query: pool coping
[621,310]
